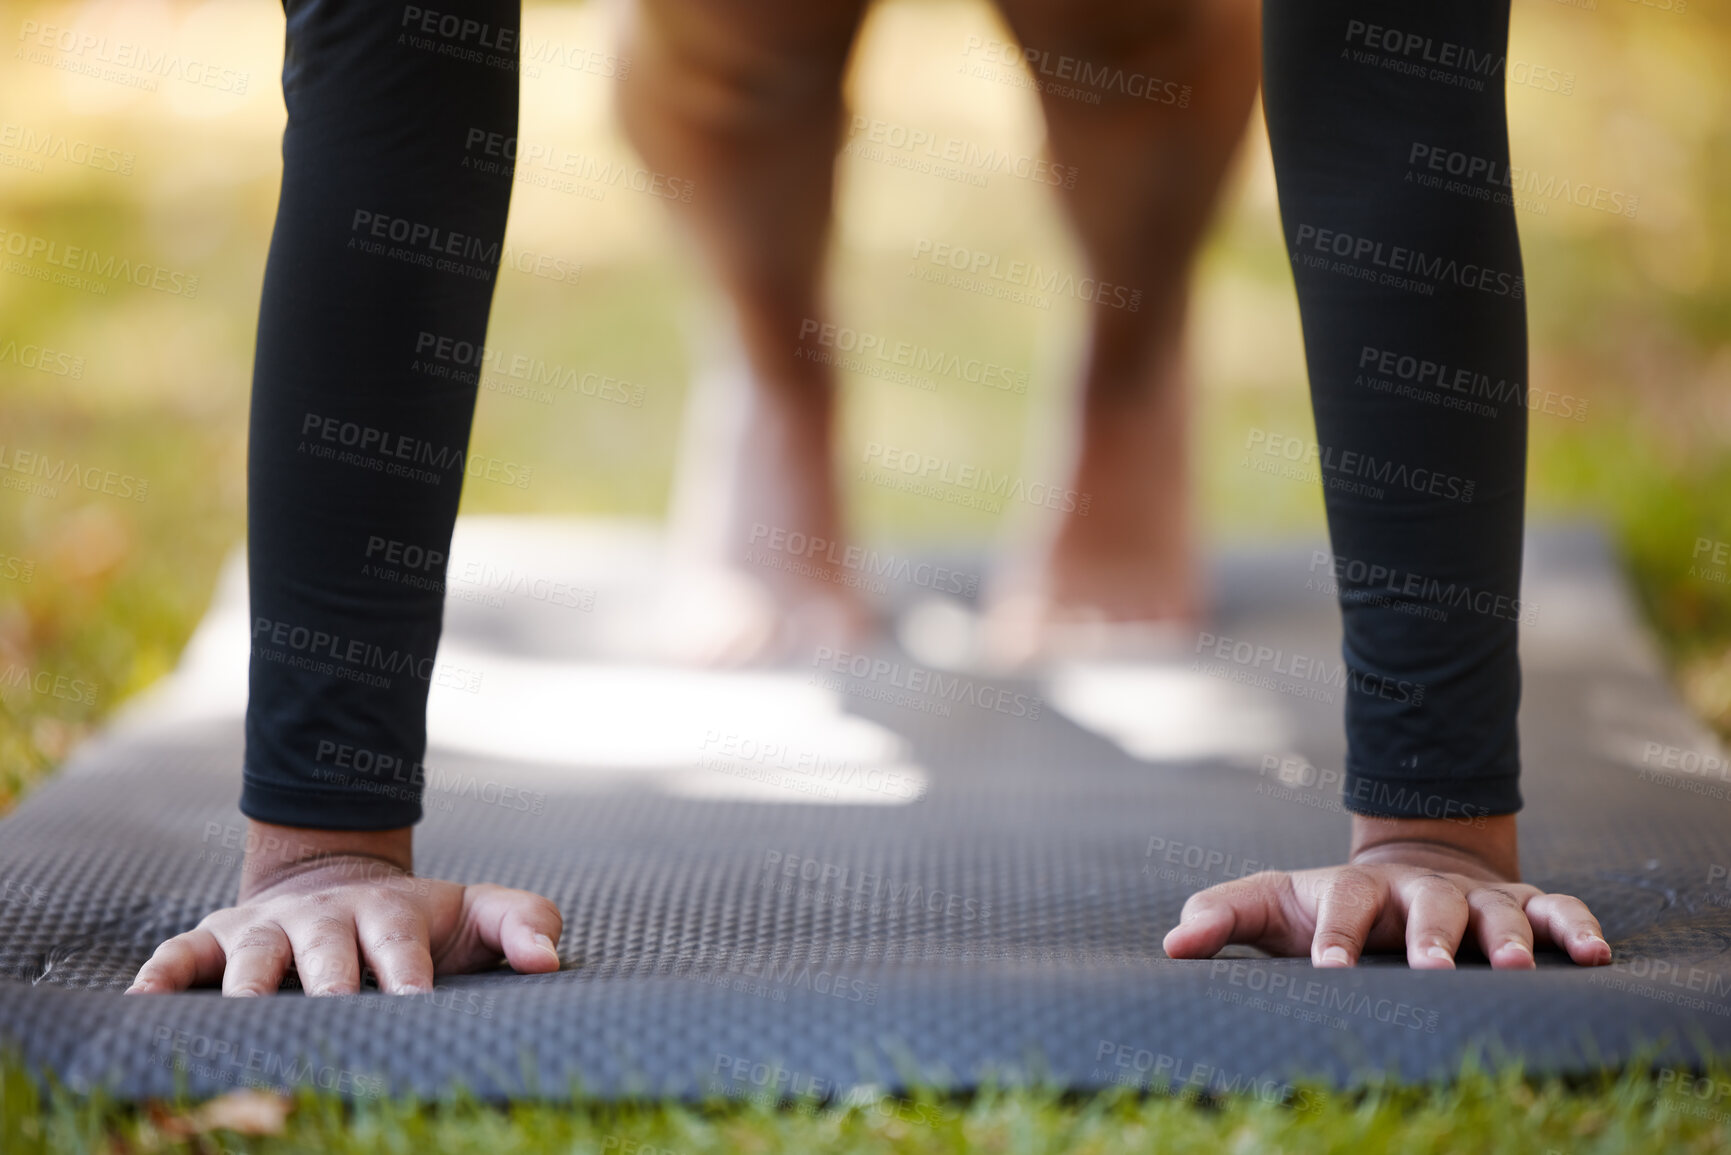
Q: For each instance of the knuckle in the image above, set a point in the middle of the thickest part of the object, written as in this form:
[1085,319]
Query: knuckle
[258,936]
[1490,900]
[394,937]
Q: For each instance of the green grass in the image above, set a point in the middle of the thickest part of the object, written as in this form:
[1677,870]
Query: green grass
[1641,1110]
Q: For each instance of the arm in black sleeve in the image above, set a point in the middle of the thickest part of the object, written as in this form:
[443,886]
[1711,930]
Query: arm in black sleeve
[389,233]
[1390,140]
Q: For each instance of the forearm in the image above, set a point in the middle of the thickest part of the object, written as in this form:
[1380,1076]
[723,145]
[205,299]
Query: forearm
[1412,302]
[388,239]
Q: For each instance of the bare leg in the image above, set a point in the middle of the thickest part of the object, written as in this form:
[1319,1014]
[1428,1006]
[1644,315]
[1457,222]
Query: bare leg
[743,99]
[1148,175]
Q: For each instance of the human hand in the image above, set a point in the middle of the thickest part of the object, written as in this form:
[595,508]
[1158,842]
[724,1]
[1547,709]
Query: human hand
[1427,883]
[329,900]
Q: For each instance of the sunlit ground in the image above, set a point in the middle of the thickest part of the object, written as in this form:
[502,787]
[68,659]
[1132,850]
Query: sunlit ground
[1630,312]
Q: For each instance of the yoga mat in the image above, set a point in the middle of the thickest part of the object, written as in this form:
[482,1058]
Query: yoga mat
[846,874]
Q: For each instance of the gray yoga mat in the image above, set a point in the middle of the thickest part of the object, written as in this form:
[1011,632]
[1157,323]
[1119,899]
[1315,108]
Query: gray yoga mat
[846,875]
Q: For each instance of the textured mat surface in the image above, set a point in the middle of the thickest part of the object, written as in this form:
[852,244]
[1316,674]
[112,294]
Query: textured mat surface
[868,868]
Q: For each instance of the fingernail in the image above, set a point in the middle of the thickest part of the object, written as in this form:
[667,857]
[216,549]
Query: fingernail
[413,989]
[1441,953]
[546,944]
[1336,956]
[135,988]
[1517,944]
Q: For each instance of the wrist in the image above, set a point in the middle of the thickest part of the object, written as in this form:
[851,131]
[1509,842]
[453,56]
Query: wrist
[274,853]
[1490,842]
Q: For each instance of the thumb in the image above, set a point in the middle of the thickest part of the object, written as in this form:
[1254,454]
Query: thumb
[1205,926]
[1245,910]
[523,927]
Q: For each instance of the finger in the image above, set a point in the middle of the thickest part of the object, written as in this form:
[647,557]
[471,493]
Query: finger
[258,957]
[325,955]
[192,959]
[394,942]
[1347,905]
[1245,910]
[1436,917]
[521,926]
[1564,921]
[1501,929]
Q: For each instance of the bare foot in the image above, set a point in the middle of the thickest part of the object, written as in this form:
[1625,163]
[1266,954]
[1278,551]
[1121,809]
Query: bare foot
[1122,577]
[756,535]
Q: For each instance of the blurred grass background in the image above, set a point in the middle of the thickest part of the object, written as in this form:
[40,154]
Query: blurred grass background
[1631,313]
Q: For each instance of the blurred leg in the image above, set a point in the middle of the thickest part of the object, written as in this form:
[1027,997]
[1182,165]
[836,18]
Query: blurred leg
[743,99]
[1175,81]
